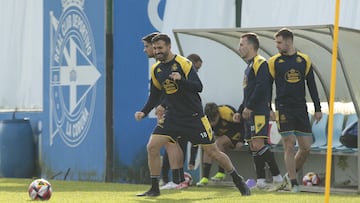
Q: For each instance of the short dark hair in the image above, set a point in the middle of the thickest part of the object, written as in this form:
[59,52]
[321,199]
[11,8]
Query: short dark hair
[252,39]
[211,110]
[149,37]
[163,37]
[285,33]
[194,58]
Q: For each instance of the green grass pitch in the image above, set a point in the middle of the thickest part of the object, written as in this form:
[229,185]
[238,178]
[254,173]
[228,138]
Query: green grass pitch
[15,190]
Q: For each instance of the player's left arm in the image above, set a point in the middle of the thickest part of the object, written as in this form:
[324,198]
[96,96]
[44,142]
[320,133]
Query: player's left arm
[189,80]
[153,100]
[310,81]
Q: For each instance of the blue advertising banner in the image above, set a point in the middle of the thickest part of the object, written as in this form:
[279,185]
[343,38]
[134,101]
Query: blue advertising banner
[73,131]
[132,21]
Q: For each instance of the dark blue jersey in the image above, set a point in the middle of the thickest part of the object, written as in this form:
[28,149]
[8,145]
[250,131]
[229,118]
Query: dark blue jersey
[182,96]
[226,125]
[290,74]
[257,85]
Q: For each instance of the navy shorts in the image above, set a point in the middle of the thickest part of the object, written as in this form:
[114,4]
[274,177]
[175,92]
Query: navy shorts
[257,126]
[235,138]
[195,129]
[235,133]
[293,121]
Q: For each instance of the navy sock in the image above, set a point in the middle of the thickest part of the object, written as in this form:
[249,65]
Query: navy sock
[269,158]
[235,176]
[221,170]
[155,183]
[176,175]
[259,165]
[206,170]
[294,182]
[181,175]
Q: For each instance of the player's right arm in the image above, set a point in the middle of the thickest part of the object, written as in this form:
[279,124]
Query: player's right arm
[271,66]
[153,100]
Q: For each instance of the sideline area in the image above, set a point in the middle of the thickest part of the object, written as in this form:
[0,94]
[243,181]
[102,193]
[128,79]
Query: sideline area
[317,42]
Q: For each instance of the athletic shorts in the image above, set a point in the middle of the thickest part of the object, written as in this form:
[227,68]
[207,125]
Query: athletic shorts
[235,134]
[195,129]
[235,138]
[257,126]
[293,121]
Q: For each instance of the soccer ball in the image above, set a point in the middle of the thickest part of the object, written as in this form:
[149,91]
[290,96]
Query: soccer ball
[188,178]
[40,189]
[311,179]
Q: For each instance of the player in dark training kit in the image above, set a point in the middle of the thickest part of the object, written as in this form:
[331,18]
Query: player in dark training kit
[173,148]
[174,77]
[229,135]
[290,70]
[255,109]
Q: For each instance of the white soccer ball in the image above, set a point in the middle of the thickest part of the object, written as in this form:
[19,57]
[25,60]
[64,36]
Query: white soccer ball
[310,179]
[188,178]
[40,189]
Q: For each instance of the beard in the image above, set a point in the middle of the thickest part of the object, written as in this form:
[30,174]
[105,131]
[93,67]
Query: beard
[161,56]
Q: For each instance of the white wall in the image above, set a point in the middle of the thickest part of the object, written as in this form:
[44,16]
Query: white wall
[222,71]
[21,40]
[217,72]
[265,13]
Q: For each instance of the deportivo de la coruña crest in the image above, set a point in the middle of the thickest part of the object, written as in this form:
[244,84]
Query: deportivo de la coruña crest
[73,74]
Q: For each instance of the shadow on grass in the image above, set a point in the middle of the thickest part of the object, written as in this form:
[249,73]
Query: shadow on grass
[14,184]
[193,194]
